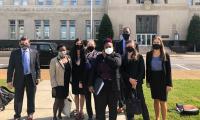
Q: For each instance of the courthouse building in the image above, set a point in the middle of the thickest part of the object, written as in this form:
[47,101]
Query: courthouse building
[68,19]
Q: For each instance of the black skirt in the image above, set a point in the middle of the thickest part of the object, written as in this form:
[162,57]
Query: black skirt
[61,92]
[158,86]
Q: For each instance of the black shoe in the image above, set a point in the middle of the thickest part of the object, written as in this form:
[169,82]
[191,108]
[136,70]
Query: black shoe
[17,117]
[59,117]
[54,118]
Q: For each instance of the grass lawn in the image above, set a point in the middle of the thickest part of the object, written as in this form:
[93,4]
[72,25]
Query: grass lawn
[3,83]
[184,91]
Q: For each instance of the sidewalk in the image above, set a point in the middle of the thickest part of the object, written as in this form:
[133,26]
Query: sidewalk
[44,103]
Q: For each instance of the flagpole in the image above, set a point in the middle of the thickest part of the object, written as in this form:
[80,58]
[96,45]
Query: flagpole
[91,20]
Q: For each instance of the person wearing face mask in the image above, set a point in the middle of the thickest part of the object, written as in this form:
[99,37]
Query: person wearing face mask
[121,45]
[121,49]
[60,72]
[158,76]
[133,73]
[78,77]
[24,73]
[107,69]
[91,55]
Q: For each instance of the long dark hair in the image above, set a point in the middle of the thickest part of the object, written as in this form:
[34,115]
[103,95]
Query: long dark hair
[162,49]
[73,54]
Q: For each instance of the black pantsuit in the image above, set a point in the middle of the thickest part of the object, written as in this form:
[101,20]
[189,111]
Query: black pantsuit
[108,98]
[88,96]
[107,67]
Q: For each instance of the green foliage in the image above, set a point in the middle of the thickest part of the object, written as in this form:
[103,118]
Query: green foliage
[193,35]
[105,31]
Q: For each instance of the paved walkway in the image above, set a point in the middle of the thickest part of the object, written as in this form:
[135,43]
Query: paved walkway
[43,105]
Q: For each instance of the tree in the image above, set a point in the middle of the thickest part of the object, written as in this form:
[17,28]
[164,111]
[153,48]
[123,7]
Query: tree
[193,35]
[105,31]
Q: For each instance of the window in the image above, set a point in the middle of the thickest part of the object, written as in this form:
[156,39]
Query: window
[88,2]
[146,28]
[196,2]
[64,2]
[33,46]
[63,30]
[166,1]
[45,48]
[73,2]
[21,2]
[98,2]
[96,28]
[88,29]
[38,29]
[42,29]
[21,28]
[12,29]
[16,29]
[146,24]
[72,30]
[44,2]
[46,29]
[128,1]
[40,2]
[1,2]
[140,1]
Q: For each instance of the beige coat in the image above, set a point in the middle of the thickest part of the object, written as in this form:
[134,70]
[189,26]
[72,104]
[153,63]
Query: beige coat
[57,70]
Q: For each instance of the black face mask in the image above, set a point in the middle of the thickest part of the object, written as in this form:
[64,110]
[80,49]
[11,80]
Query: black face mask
[126,36]
[90,48]
[156,46]
[79,47]
[130,49]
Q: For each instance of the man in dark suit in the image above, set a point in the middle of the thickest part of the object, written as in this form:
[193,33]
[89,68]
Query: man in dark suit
[121,49]
[24,73]
[121,45]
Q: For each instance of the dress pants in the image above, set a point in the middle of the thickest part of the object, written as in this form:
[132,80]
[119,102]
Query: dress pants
[106,97]
[30,88]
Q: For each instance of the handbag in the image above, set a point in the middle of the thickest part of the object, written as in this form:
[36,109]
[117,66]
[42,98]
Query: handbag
[6,96]
[187,109]
[133,104]
[67,107]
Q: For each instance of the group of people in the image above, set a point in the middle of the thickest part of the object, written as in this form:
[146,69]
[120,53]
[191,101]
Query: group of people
[122,70]
[120,66]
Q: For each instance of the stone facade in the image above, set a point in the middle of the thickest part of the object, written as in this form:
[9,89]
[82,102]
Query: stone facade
[173,16]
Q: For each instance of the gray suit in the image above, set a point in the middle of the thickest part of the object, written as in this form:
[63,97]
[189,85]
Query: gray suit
[21,82]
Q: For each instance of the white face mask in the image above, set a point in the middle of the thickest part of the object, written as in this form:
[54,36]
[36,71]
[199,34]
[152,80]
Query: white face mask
[62,54]
[109,51]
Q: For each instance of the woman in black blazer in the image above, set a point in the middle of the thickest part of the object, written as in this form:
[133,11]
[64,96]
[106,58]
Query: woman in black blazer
[158,76]
[133,73]
[78,77]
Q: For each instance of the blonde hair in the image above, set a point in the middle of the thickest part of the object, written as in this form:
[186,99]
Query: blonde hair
[135,54]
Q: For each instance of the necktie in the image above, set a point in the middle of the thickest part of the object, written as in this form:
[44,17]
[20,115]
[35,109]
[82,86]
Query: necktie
[124,47]
[25,62]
